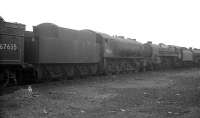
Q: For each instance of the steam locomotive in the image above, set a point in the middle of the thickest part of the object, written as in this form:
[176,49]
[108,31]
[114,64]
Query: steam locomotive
[51,52]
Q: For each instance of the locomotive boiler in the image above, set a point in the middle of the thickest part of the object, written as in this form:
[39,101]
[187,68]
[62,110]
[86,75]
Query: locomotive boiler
[122,55]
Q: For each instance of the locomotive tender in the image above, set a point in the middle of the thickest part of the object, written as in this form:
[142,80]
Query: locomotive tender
[11,51]
[51,52]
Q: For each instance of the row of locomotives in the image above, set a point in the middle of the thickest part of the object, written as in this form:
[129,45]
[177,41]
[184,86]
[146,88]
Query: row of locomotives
[183,57]
[11,52]
[162,56]
[122,55]
[52,52]
[167,56]
[56,52]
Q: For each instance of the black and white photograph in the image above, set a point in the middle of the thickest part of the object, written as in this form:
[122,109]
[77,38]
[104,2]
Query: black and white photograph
[99,59]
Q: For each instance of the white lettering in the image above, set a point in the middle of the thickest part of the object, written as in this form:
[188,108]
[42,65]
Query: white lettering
[8,47]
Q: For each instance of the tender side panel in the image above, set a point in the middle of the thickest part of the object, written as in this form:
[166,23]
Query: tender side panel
[62,45]
[11,43]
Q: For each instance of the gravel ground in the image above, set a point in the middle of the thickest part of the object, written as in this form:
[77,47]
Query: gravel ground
[166,94]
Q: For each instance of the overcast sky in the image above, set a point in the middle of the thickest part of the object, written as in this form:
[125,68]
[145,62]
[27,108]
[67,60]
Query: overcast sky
[175,22]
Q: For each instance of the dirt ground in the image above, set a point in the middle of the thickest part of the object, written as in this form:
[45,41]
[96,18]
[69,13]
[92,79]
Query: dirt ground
[165,94]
